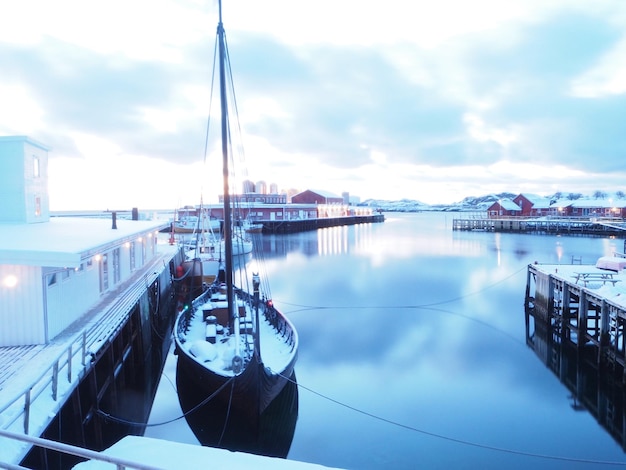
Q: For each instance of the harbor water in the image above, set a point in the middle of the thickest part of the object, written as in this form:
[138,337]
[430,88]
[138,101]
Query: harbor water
[413,353]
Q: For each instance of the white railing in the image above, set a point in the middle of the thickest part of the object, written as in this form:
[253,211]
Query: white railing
[87,454]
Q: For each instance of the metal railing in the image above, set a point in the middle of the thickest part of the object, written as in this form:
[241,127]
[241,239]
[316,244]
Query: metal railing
[87,454]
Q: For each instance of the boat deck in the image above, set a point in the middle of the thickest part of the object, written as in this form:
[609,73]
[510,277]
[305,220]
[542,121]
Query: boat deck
[275,352]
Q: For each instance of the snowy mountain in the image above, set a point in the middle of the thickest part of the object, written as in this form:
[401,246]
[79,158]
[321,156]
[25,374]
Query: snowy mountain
[409,205]
[481,203]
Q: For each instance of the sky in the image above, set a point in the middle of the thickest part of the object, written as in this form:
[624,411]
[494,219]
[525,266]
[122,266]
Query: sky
[433,101]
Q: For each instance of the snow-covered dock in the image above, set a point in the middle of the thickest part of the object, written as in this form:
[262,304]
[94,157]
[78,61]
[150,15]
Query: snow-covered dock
[548,224]
[38,378]
[585,305]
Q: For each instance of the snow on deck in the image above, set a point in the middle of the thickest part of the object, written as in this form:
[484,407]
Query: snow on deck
[275,352]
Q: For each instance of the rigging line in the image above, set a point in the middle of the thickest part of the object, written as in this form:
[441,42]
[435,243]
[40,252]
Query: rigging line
[454,439]
[135,423]
[206,137]
[432,304]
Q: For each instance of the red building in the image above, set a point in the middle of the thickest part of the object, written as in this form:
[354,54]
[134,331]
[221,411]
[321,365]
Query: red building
[503,208]
[532,205]
[316,197]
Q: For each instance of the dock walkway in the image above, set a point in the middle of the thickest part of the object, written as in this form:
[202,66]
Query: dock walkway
[302,225]
[35,380]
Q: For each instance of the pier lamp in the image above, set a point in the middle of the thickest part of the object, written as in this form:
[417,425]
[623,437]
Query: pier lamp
[10,281]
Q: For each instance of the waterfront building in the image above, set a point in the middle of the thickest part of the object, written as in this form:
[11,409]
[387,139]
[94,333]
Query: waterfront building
[85,312]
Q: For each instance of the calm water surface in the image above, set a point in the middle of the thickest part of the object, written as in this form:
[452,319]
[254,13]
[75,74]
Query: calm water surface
[412,350]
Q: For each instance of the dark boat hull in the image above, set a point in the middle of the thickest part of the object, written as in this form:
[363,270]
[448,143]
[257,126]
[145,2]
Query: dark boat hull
[237,427]
[250,392]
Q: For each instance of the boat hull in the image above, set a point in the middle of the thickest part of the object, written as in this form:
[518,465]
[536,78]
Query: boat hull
[246,402]
[247,394]
[269,433]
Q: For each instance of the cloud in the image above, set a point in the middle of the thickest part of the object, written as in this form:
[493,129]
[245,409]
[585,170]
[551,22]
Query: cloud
[426,101]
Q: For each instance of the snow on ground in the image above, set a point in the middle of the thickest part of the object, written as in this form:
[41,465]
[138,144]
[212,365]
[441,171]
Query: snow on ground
[614,292]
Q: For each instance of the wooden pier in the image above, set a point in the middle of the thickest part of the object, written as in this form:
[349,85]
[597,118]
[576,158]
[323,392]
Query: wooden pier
[576,328]
[303,225]
[556,225]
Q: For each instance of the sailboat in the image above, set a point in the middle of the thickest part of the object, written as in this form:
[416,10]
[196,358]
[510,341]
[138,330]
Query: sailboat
[234,347]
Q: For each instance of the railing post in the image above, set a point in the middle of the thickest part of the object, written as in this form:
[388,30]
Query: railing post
[55,380]
[69,364]
[26,411]
[84,347]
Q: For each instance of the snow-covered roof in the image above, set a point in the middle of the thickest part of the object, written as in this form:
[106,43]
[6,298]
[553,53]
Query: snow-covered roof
[590,203]
[535,198]
[508,205]
[65,241]
[541,203]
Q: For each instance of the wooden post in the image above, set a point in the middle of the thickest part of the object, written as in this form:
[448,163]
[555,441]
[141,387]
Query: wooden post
[55,380]
[582,319]
[26,411]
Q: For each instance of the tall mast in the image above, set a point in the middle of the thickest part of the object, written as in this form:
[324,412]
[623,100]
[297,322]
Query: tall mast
[228,239]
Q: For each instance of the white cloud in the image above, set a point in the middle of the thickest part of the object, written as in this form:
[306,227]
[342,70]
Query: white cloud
[480,131]
[139,29]
[24,116]
[606,78]
[444,56]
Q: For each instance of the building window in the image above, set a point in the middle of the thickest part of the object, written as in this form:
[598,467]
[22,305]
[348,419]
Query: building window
[116,265]
[37,206]
[131,255]
[104,274]
[36,168]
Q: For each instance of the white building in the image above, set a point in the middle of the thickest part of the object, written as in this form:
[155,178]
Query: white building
[53,270]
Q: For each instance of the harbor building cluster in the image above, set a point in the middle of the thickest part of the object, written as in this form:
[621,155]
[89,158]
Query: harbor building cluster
[530,213]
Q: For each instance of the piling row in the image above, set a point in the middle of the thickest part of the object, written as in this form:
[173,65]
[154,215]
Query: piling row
[558,225]
[578,333]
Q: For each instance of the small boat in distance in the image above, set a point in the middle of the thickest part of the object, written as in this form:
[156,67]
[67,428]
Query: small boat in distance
[235,349]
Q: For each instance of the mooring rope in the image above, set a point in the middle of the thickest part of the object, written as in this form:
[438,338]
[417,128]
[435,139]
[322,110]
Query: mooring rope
[453,439]
[416,306]
[135,423]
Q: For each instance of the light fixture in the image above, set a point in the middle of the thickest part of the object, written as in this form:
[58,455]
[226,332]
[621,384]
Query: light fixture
[10,281]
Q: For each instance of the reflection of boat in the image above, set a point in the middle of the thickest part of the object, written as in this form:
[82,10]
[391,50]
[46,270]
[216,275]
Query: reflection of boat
[236,351]
[212,425]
